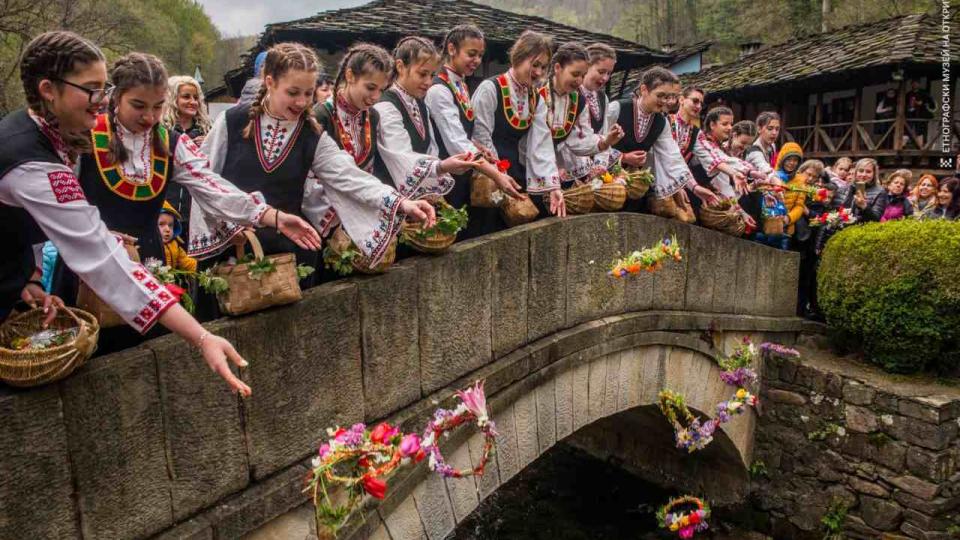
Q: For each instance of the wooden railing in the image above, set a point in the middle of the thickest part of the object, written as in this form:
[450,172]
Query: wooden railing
[870,137]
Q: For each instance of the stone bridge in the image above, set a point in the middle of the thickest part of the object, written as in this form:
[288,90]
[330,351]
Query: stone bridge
[147,443]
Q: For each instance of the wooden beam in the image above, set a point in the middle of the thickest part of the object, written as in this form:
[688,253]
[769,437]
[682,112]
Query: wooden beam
[900,122]
[817,117]
[857,102]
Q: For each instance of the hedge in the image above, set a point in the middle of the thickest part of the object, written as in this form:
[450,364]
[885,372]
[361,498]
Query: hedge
[893,290]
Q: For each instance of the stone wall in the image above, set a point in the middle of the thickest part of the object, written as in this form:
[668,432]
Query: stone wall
[148,441]
[886,447]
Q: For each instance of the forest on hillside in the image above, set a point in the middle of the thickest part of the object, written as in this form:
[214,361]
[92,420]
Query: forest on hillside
[658,23]
[178,31]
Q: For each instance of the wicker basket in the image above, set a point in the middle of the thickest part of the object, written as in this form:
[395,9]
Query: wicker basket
[773,226]
[518,211]
[88,300]
[728,220]
[482,188]
[610,197]
[579,199]
[672,208]
[248,294]
[340,242]
[636,189]
[431,245]
[32,367]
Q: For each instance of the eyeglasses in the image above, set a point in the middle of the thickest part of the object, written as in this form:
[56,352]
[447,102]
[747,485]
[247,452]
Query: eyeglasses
[94,95]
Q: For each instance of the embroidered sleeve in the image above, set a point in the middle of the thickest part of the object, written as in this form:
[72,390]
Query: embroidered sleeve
[51,194]
[759,161]
[368,209]
[446,114]
[414,175]
[708,154]
[485,106]
[215,144]
[540,158]
[669,168]
[316,206]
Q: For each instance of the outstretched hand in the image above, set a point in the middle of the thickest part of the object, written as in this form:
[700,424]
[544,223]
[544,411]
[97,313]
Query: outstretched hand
[216,351]
[419,211]
[558,206]
[299,231]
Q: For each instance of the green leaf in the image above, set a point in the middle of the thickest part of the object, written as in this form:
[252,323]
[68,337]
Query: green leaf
[303,271]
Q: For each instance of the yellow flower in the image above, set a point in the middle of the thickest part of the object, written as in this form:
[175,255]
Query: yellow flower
[741,393]
[684,521]
[607,178]
[674,526]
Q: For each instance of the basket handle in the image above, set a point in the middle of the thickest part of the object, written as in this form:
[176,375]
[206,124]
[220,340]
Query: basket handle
[254,245]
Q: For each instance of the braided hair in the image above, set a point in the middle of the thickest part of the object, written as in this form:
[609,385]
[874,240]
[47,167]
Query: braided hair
[601,51]
[457,35]
[362,58]
[281,59]
[713,117]
[566,54]
[55,55]
[412,50]
[128,72]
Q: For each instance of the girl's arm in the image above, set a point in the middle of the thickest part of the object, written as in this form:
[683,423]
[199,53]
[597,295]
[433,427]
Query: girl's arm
[485,108]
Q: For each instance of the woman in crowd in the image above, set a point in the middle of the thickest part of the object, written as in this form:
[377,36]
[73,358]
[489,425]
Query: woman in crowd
[185,112]
[865,195]
[840,172]
[603,112]
[898,204]
[923,197]
[743,135]
[948,200]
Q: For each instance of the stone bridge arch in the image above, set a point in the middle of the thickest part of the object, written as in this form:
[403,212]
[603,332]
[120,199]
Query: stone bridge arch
[146,443]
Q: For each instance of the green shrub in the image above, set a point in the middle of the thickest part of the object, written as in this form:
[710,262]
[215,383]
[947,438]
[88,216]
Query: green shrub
[894,290]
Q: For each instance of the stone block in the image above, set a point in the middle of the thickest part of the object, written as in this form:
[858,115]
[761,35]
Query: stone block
[390,333]
[490,481]
[670,282]
[724,273]
[256,506]
[935,466]
[196,528]
[305,370]
[35,470]
[930,436]
[206,455]
[404,522]
[767,283]
[868,488]
[920,411]
[611,387]
[455,336]
[510,287]
[462,491]
[880,514]
[580,382]
[860,419]
[547,296]
[858,393]
[786,397]
[434,507]
[787,278]
[593,241]
[628,394]
[702,256]
[597,391]
[747,262]
[114,420]
[546,415]
[915,486]
[508,454]
[525,412]
[563,388]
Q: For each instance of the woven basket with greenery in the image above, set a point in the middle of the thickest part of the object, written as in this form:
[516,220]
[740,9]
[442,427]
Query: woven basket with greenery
[343,257]
[22,364]
[441,236]
[264,281]
[579,199]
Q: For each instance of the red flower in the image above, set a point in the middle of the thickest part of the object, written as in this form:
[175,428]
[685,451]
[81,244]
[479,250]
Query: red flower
[175,290]
[503,165]
[383,433]
[844,218]
[694,518]
[375,487]
[823,218]
[420,455]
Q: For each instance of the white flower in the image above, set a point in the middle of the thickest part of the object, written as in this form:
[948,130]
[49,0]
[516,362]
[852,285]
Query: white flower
[815,398]
[804,418]
[432,462]
[841,431]
[596,184]
[315,462]
[887,419]
[591,261]
[496,198]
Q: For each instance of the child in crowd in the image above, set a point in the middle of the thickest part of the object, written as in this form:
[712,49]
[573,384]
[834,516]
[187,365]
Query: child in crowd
[171,227]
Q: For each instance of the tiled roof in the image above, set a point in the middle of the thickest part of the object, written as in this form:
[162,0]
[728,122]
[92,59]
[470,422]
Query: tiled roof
[910,39]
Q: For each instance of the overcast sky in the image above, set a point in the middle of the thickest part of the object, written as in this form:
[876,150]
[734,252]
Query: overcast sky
[242,17]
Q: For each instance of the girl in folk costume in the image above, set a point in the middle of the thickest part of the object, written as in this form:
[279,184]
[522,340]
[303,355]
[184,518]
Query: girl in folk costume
[185,111]
[762,154]
[453,116]
[407,150]
[274,143]
[648,142]
[568,116]
[743,134]
[512,121]
[65,83]
[603,112]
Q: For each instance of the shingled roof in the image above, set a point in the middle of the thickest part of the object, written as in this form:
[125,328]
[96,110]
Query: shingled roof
[385,21]
[899,41]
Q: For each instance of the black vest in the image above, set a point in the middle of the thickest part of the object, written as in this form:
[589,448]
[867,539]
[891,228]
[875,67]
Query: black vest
[506,137]
[581,103]
[466,123]
[418,144]
[138,218]
[602,101]
[324,114]
[23,142]
[629,142]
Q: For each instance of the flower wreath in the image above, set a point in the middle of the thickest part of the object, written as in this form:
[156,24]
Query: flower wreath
[649,259]
[684,523]
[359,460]
[472,408]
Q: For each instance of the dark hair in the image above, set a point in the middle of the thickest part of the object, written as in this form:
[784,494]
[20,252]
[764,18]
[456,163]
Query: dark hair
[573,51]
[656,76]
[952,184]
[283,58]
[457,35]
[530,44]
[128,72]
[714,116]
[766,117]
[411,49]
[362,58]
[54,55]
[687,90]
[601,51]
[745,127]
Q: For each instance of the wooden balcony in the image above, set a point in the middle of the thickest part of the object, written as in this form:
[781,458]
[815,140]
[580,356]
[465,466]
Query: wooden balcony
[872,138]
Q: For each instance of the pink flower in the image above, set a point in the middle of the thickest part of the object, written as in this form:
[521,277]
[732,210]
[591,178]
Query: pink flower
[383,433]
[474,399]
[410,445]
[324,450]
[687,532]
